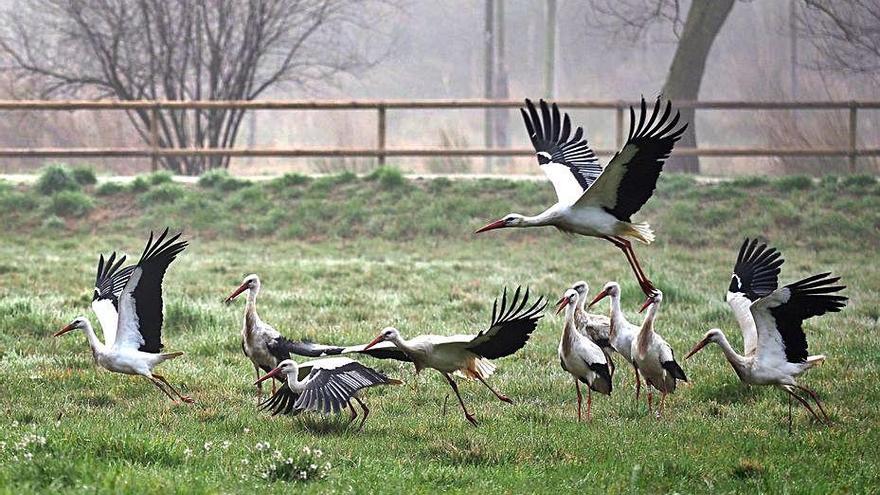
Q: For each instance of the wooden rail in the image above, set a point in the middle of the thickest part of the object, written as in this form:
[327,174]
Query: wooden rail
[381,107]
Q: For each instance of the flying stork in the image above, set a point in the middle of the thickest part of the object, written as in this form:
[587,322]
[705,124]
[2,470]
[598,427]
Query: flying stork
[653,356]
[136,348]
[775,345]
[322,385]
[580,356]
[264,345]
[592,201]
[510,327]
[622,333]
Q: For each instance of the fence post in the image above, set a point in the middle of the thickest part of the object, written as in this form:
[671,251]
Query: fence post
[380,136]
[154,137]
[618,124]
[853,135]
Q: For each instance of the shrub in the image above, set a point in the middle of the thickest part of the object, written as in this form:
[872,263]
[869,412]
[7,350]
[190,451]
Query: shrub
[109,189]
[220,180]
[56,178]
[163,193]
[859,181]
[139,184]
[388,177]
[793,183]
[84,175]
[289,180]
[71,204]
[160,177]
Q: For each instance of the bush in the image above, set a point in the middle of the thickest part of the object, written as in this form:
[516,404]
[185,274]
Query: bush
[163,193]
[109,189]
[793,183]
[160,177]
[220,180]
[289,180]
[859,181]
[749,182]
[139,184]
[56,178]
[388,177]
[84,176]
[71,204]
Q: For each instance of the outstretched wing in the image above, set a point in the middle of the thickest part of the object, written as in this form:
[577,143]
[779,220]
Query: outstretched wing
[629,180]
[755,275]
[282,401]
[382,350]
[779,316]
[109,282]
[281,348]
[511,326]
[333,382]
[140,304]
[566,159]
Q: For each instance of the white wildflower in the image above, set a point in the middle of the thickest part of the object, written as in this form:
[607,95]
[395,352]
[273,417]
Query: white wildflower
[245,462]
[303,475]
[188,452]
[208,445]
[225,444]
[307,450]
[28,455]
[313,467]
[247,430]
[318,453]
[289,461]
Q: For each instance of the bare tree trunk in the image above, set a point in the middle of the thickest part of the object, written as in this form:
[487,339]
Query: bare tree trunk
[488,82]
[550,50]
[502,92]
[704,22]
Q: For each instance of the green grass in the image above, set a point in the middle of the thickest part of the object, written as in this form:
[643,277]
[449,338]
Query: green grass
[341,257]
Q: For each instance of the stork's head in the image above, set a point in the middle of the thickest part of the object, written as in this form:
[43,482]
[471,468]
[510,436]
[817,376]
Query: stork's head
[511,220]
[78,323]
[388,333]
[581,287]
[655,298]
[285,368]
[250,283]
[611,289]
[569,300]
[713,335]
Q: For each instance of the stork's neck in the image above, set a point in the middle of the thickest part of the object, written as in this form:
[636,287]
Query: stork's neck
[250,310]
[647,331]
[568,331]
[293,380]
[546,217]
[403,344]
[618,320]
[95,343]
[740,363]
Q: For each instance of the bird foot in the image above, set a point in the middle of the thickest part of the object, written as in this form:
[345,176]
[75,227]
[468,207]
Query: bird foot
[187,399]
[504,398]
[471,418]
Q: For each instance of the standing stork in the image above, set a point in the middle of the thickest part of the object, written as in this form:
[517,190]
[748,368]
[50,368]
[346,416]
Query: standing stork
[592,201]
[264,345]
[580,356]
[653,356]
[509,329]
[622,333]
[323,385]
[778,352]
[136,350]
[596,327]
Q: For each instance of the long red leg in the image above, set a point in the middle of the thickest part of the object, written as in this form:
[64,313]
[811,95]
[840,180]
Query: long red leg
[803,402]
[184,398]
[589,404]
[366,412]
[467,415]
[501,397]
[638,383]
[647,286]
[577,387]
[650,400]
[815,397]
[156,383]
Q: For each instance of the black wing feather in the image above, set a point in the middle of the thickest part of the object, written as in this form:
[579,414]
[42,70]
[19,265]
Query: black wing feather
[147,294]
[334,387]
[110,279]
[555,139]
[281,348]
[756,271]
[510,327]
[812,296]
[653,141]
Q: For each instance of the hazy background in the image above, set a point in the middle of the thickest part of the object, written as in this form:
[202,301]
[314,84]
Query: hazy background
[435,50]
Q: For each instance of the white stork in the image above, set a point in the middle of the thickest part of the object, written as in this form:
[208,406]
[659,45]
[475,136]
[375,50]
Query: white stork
[774,339]
[109,282]
[592,201]
[322,385]
[136,350]
[580,356]
[468,355]
[653,356]
[622,332]
[264,345]
[596,327]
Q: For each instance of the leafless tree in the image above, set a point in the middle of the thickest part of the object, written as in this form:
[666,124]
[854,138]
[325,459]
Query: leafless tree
[845,35]
[695,29]
[185,50]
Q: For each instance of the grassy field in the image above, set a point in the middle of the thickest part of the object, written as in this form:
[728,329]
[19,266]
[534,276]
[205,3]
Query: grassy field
[341,257]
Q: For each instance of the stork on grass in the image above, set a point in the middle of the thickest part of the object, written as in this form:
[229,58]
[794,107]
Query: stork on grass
[580,356]
[596,327]
[136,348]
[264,345]
[510,327]
[325,385]
[773,334]
[622,333]
[653,356]
[592,201]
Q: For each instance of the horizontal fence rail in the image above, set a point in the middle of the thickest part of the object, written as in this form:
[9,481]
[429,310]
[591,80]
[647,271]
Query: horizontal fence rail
[381,107]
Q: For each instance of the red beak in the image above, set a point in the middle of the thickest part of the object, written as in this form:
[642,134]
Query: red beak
[648,301]
[239,290]
[599,297]
[374,342]
[268,375]
[697,348]
[497,224]
[63,330]
[560,304]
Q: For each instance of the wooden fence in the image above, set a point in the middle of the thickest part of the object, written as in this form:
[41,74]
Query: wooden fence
[382,107]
